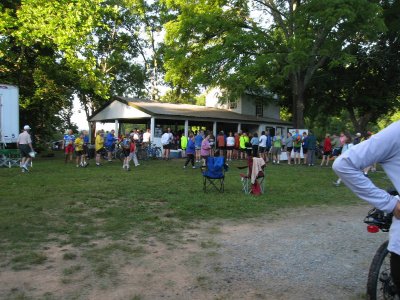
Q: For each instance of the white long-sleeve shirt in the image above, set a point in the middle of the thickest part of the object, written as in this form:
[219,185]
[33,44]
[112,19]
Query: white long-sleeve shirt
[382,148]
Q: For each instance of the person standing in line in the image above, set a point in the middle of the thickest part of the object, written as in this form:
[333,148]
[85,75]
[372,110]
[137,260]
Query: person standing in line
[276,149]
[297,149]
[68,145]
[190,151]
[304,145]
[382,148]
[221,143]
[211,140]
[184,143]
[230,144]
[327,150]
[311,146]
[198,139]
[126,145]
[205,149]
[242,145]
[255,141]
[289,147]
[146,138]
[236,147]
[80,160]
[165,141]
[99,146]
[110,144]
[262,147]
[86,146]
[24,144]
[269,146]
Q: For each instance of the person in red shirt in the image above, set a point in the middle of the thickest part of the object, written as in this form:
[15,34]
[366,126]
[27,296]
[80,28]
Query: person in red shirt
[236,147]
[132,152]
[327,150]
[221,143]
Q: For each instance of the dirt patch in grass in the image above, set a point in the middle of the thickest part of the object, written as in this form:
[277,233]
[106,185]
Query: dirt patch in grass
[313,253]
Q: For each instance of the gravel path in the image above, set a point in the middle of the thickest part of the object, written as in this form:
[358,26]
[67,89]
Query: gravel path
[317,253]
[313,253]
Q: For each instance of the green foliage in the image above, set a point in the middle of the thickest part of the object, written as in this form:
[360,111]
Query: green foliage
[229,43]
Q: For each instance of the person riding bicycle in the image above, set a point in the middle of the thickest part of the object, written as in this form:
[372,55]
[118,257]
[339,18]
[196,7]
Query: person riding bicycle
[382,148]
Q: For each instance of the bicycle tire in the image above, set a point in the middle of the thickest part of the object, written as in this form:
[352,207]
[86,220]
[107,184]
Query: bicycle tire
[158,153]
[380,285]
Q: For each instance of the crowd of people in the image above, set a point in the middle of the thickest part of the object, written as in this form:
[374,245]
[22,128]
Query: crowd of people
[198,145]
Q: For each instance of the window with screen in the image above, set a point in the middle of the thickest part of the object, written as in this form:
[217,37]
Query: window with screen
[259,108]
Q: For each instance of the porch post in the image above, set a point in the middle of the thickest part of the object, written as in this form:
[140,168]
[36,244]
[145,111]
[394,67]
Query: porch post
[152,128]
[186,128]
[239,128]
[116,127]
[215,128]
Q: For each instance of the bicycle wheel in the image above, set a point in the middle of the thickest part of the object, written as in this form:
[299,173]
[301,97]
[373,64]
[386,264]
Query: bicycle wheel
[120,155]
[158,153]
[380,285]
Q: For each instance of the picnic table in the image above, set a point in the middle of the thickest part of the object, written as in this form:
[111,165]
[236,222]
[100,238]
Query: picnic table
[9,157]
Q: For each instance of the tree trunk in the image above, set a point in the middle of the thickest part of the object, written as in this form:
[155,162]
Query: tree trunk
[298,100]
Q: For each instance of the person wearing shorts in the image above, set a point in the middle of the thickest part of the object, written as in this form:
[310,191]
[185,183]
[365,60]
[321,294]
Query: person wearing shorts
[230,144]
[99,146]
[80,159]
[68,145]
[24,144]
[289,147]
[197,143]
[125,144]
[327,149]
[166,144]
[262,147]
[110,144]
[276,149]
[221,143]
[297,149]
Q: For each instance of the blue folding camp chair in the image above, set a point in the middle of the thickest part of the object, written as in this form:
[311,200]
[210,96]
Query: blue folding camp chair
[214,173]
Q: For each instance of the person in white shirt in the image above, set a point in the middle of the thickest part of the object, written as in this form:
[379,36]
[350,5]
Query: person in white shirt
[166,144]
[24,144]
[262,146]
[146,138]
[382,148]
[230,144]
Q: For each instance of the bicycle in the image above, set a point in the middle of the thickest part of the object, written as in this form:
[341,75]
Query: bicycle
[380,284]
[154,152]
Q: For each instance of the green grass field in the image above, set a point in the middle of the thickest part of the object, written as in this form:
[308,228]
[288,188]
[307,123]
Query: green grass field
[62,204]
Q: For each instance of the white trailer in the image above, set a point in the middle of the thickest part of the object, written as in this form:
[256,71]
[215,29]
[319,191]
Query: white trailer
[9,114]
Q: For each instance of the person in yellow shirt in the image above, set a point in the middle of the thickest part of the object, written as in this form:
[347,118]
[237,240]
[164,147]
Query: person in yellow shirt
[184,142]
[80,157]
[99,145]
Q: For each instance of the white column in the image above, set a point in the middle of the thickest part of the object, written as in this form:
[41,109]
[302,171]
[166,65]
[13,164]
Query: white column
[215,128]
[116,127]
[152,128]
[186,127]
[239,127]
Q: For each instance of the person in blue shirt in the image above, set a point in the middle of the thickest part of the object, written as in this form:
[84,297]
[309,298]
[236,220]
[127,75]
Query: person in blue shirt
[109,144]
[68,145]
[190,151]
[198,139]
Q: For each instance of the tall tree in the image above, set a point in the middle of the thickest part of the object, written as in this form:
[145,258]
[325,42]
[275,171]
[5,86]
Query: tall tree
[264,43]
[367,88]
